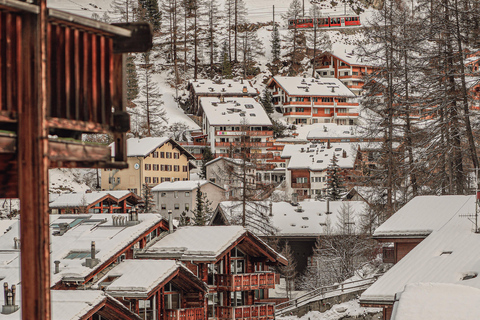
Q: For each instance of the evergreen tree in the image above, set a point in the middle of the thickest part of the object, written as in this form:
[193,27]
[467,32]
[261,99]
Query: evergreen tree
[148,203]
[251,47]
[335,182]
[206,157]
[295,39]
[226,65]
[149,12]
[132,80]
[202,211]
[275,44]
[266,101]
[184,220]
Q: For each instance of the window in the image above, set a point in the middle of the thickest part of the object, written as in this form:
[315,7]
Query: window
[331,73]
[163,194]
[176,155]
[302,180]
[148,180]
[155,180]
[187,206]
[134,190]
[300,109]
[148,166]
[169,168]
[162,179]
[155,167]
[175,194]
[187,194]
[162,154]
[185,168]
[162,167]
[327,111]
[176,168]
[176,206]
[355,73]
[169,155]
[155,154]
[118,179]
[164,206]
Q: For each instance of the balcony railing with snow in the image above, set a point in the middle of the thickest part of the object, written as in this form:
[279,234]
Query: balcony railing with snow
[185,314]
[245,281]
[262,311]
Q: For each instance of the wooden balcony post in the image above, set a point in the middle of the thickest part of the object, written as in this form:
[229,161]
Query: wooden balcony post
[33,169]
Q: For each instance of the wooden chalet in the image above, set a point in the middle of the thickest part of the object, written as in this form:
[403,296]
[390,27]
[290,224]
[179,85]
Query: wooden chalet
[61,75]
[157,289]
[94,202]
[233,262]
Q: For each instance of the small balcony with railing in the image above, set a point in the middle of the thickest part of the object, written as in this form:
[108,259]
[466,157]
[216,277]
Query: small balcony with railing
[245,281]
[185,314]
[257,311]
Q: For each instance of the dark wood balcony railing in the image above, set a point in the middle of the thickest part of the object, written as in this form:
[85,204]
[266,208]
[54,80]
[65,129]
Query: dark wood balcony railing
[246,281]
[265,311]
[185,314]
[301,185]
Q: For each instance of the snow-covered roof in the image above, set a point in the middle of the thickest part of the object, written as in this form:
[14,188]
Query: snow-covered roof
[334,131]
[181,185]
[322,87]
[312,220]
[317,157]
[439,301]
[82,230]
[141,147]
[66,304]
[202,243]
[84,199]
[449,255]
[234,111]
[223,87]
[424,214]
[138,277]
[198,242]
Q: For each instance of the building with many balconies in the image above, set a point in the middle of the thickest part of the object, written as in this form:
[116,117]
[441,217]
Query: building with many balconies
[232,261]
[312,100]
[236,125]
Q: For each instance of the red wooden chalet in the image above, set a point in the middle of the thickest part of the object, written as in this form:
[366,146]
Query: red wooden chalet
[157,289]
[233,262]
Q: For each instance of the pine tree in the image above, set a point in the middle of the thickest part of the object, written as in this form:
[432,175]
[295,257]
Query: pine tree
[148,118]
[206,157]
[266,101]
[203,210]
[148,203]
[184,220]
[295,39]
[275,44]
[335,182]
[226,65]
[149,12]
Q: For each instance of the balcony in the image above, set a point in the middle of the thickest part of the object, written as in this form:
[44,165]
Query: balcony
[247,133]
[300,185]
[263,311]
[346,114]
[298,114]
[245,281]
[244,144]
[185,314]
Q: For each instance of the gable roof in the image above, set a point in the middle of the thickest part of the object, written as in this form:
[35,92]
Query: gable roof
[88,198]
[143,147]
[139,277]
[422,215]
[322,87]
[449,253]
[205,243]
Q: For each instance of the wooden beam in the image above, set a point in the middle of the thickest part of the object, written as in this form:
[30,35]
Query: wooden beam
[33,169]
[139,41]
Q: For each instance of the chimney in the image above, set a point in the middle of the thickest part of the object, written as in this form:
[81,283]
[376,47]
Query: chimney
[344,154]
[294,198]
[15,243]
[9,304]
[92,250]
[241,81]
[271,209]
[57,266]
[328,206]
[222,99]
[328,144]
[170,221]
[245,90]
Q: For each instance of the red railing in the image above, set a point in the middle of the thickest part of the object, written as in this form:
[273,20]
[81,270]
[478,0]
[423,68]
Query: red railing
[244,144]
[346,114]
[265,311]
[246,281]
[301,185]
[185,314]
[247,133]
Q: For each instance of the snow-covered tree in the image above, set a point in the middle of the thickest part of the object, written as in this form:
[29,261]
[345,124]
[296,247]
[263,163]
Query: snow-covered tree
[203,210]
[276,46]
[335,182]
[295,38]
[147,195]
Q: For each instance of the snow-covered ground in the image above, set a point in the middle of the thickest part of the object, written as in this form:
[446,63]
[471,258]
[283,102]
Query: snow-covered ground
[339,311]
